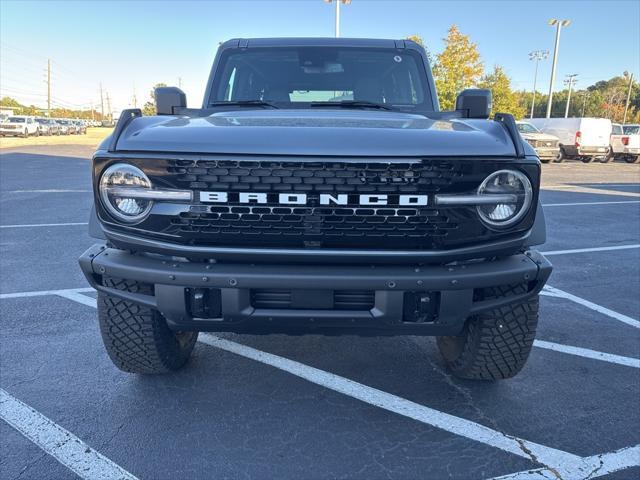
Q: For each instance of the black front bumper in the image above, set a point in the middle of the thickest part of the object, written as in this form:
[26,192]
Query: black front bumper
[455,287]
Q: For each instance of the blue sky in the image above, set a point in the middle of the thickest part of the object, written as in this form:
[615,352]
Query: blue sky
[127,44]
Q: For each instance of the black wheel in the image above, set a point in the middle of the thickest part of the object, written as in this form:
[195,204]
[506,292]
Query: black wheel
[608,157]
[560,157]
[586,159]
[136,337]
[493,345]
[632,159]
[37,134]
[25,134]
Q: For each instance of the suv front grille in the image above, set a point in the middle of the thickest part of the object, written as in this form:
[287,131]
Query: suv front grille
[274,225]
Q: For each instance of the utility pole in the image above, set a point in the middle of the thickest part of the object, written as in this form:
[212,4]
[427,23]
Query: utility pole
[101,103]
[49,88]
[584,101]
[559,24]
[571,80]
[626,105]
[109,107]
[338,2]
[179,82]
[536,56]
[134,99]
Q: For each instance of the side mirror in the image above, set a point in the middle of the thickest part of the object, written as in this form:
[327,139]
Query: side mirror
[169,99]
[475,102]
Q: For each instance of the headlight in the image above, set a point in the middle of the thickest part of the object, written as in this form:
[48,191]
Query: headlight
[517,192]
[122,190]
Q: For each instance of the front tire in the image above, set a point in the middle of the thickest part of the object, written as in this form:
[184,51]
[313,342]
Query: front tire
[560,157]
[493,345]
[137,337]
[632,159]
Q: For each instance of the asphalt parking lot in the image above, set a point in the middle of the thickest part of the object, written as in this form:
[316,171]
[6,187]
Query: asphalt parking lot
[317,407]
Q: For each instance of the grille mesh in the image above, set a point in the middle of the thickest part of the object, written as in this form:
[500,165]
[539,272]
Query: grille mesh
[313,224]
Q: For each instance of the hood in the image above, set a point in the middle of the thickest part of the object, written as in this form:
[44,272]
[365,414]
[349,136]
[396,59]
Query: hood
[316,132]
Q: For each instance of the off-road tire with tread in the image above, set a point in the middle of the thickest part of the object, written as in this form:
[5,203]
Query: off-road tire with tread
[137,337]
[494,345]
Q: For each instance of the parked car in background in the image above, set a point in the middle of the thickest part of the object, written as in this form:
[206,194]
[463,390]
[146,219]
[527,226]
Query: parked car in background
[583,139]
[70,127]
[19,126]
[81,127]
[547,146]
[48,126]
[632,143]
[62,126]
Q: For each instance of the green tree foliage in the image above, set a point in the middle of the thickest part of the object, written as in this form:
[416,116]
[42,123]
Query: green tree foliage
[504,99]
[604,99]
[149,107]
[457,67]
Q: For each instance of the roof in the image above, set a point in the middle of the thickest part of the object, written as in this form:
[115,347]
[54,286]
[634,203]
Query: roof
[315,42]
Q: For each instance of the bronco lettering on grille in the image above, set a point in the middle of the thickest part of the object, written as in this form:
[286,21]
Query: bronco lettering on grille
[304,199]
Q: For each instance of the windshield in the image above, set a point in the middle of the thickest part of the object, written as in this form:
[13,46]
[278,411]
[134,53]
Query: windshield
[42,120]
[16,120]
[294,77]
[527,128]
[631,129]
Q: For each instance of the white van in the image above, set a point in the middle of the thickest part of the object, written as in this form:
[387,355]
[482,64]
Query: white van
[581,138]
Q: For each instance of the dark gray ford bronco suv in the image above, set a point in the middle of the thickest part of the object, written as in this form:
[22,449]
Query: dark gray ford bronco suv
[319,190]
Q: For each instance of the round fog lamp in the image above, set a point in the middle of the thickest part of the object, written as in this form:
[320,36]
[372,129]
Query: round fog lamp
[513,195]
[120,188]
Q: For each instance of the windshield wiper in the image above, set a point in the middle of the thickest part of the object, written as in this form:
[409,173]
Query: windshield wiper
[351,104]
[243,103]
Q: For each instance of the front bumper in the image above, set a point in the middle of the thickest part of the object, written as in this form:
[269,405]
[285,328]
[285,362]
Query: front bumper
[455,287]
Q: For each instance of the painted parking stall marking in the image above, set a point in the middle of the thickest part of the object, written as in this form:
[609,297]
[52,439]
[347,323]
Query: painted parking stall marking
[591,250]
[61,444]
[550,291]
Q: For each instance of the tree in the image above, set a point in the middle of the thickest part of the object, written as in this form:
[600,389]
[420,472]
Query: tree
[149,107]
[457,67]
[504,99]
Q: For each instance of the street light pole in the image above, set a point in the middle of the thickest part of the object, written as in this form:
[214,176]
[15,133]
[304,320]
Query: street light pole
[559,24]
[338,2]
[537,56]
[571,80]
[584,101]
[626,105]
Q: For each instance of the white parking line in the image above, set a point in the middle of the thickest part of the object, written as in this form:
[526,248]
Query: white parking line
[458,426]
[40,293]
[603,464]
[61,444]
[33,225]
[589,250]
[556,292]
[587,353]
[587,203]
[49,190]
[78,297]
